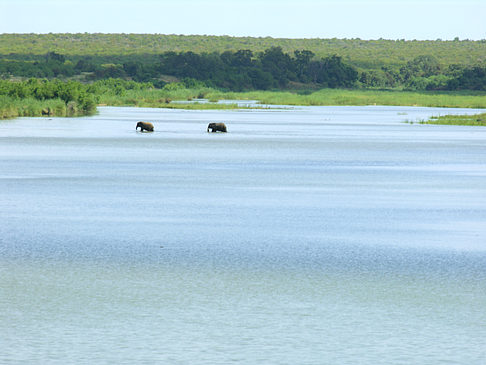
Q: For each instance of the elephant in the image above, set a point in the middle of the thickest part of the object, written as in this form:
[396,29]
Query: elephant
[47,111]
[215,127]
[149,127]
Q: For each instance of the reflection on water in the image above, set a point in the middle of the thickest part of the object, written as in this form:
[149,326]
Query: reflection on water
[335,233]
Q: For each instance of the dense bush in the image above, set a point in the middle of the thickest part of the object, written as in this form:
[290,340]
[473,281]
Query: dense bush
[74,94]
[473,78]
[246,70]
[232,70]
[121,48]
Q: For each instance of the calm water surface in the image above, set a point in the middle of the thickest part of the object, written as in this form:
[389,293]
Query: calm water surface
[317,235]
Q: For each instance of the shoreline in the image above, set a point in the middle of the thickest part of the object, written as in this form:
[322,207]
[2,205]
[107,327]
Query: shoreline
[210,99]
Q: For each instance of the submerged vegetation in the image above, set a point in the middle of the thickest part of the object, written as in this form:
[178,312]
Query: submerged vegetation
[471,120]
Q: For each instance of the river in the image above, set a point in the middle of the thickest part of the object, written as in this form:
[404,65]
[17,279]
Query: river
[306,235]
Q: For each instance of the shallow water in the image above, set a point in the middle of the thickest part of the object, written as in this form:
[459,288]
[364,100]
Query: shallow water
[303,236]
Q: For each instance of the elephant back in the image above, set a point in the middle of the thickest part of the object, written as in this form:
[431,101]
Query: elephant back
[145,126]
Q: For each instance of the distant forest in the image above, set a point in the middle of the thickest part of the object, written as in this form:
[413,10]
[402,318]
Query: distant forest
[233,63]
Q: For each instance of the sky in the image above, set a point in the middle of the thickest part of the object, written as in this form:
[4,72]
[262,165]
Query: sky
[365,19]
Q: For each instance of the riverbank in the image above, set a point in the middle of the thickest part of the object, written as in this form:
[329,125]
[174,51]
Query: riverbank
[40,97]
[13,108]
[35,98]
[324,97]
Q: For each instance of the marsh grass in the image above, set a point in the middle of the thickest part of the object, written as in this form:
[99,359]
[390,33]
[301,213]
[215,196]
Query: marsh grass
[470,120]
[29,107]
[340,97]
[162,98]
[152,97]
[337,97]
[203,106]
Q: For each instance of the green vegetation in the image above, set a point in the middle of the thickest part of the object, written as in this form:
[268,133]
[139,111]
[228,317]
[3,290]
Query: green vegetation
[29,107]
[244,63]
[152,97]
[472,120]
[240,70]
[209,106]
[49,98]
[69,74]
[362,97]
[35,97]
[365,54]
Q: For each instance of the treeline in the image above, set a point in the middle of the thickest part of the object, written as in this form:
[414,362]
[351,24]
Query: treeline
[245,70]
[426,73]
[240,70]
[240,63]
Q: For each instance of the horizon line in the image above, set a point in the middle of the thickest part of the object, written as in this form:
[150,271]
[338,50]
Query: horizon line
[455,39]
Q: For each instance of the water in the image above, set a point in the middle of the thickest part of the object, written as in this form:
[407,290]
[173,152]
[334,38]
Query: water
[312,235]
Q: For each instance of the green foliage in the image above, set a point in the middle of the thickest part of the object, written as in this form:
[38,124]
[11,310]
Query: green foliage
[436,82]
[473,78]
[363,54]
[29,107]
[36,97]
[361,97]
[421,66]
[40,97]
[244,63]
[162,97]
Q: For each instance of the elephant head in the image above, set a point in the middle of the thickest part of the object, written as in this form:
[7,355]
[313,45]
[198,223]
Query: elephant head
[217,127]
[149,127]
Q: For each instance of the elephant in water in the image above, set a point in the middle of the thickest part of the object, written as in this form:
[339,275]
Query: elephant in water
[217,127]
[149,127]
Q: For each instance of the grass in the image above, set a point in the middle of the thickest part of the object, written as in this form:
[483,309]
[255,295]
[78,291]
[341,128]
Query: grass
[29,107]
[471,120]
[162,98]
[152,97]
[205,106]
[363,97]
[339,97]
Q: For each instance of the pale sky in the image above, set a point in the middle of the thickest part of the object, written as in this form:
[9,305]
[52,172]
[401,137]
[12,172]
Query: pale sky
[365,19]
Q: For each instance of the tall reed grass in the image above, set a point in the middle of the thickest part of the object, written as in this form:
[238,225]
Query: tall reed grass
[150,97]
[362,97]
[338,97]
[153,97]
[30,107]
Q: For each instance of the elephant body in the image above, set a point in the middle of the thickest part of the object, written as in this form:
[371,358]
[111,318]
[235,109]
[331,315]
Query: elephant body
[149,127]
[217,127]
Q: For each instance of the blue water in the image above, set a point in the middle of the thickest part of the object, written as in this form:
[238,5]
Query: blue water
[310,235]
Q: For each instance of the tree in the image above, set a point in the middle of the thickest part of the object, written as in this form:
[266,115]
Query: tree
[332,72]
[473,78]
[302,61]
[421,66]
[278,64]
[55,57]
